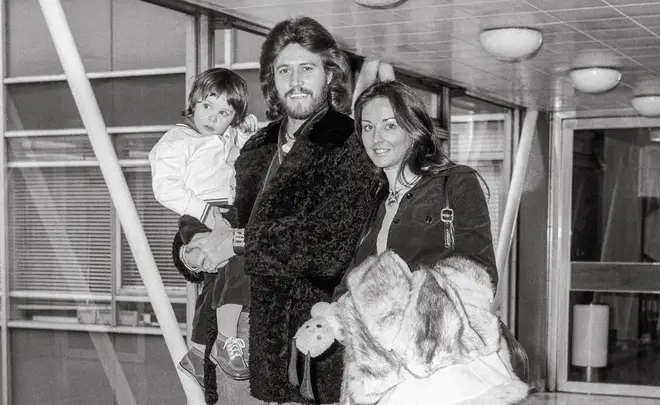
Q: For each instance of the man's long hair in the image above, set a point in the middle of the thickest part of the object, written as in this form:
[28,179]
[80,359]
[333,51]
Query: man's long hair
[312,36]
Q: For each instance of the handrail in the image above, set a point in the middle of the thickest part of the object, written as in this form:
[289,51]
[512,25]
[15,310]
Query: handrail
[90,113]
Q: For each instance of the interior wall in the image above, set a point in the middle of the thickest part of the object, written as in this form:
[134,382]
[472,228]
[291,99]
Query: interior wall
[533,300]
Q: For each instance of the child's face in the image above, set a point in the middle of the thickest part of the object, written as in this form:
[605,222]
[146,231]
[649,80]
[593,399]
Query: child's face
[213,115]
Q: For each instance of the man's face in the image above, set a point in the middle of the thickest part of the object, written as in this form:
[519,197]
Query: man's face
[301,81]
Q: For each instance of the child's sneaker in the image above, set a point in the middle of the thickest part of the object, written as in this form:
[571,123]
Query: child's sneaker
[193,365]
[229,357]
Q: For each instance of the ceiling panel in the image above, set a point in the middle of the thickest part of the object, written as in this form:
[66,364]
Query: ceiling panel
[439,38]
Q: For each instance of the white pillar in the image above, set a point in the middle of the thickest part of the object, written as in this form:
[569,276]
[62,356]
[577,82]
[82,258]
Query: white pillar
[91,116]
[512,205]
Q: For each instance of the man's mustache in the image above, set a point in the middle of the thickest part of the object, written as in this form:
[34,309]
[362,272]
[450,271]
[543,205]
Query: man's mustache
[298,90]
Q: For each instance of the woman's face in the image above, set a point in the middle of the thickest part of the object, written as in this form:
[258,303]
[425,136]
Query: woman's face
[385,141]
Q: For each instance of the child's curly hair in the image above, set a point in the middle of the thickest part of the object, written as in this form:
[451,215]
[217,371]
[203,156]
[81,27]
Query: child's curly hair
[218,81]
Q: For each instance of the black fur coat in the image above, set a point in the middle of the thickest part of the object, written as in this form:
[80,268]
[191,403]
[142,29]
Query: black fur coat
[301,233]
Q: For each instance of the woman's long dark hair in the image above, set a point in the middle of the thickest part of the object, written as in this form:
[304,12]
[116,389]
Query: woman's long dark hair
[426,154]
[312,36]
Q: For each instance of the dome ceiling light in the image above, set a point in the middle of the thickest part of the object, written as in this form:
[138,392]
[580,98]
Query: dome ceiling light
[511,44]
[595,72]
[646,97]
[379,3]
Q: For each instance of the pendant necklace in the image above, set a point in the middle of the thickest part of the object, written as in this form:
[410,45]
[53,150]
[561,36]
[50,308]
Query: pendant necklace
[393,197]
[394,194]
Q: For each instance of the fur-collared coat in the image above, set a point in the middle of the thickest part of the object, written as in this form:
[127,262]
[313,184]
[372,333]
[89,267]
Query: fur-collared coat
[425,337]
[300,236]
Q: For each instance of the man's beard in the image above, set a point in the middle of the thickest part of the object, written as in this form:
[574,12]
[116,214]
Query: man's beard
[301,111]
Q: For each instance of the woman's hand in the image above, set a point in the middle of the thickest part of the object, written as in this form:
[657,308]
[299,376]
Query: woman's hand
[215,247]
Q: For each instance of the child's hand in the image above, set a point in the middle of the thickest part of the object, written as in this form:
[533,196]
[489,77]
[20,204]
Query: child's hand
[194,258]
[216,212]
[249,125]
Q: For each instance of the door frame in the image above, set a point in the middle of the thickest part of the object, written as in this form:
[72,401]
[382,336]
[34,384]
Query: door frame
[559,234]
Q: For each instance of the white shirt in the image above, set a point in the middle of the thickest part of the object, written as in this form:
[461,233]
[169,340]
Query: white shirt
[190,172]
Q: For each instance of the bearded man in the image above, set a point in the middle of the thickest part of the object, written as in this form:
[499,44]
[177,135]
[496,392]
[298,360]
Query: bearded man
[304,188]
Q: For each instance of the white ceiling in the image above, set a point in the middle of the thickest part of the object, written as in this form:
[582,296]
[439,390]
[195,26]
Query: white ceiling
[439,38]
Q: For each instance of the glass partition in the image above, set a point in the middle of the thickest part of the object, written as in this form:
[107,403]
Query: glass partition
[614,253]
[81,328]
[481,135]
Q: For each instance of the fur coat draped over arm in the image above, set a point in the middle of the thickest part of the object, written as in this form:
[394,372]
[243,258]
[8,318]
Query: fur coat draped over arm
[424,337]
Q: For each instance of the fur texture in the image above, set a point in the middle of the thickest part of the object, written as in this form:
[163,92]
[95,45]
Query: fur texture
[402,327]
[300,237]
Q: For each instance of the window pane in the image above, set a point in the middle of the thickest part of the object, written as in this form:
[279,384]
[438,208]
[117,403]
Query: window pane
[616,197]
[80,368]
[60,222]
[257,106]
[160,226]
[150,100]
[83,310]
[105,32]
[50,148]
[90,24]
[132,313]
[427,98]
[615,250]
[219,46]
[147,36]
[135,146]
[478,136]
[247,46]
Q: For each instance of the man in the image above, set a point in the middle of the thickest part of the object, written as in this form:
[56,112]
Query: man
[304,189]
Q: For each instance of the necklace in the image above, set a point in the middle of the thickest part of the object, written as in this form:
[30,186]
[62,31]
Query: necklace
[393,197]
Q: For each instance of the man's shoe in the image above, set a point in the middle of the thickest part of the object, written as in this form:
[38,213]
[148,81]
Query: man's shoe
[229,357]
[193,365]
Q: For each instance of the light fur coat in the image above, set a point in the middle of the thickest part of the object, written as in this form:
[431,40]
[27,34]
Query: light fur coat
[426,337]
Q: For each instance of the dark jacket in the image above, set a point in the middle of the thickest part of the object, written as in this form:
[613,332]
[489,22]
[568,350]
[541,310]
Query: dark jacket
[299,240]
[417,231]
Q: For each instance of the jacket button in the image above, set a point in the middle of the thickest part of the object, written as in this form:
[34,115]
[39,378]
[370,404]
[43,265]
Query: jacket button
[409,195]
[396,221]
[428,219]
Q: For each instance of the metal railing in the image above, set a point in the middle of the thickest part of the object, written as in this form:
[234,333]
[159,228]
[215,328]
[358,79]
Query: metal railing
[99,138]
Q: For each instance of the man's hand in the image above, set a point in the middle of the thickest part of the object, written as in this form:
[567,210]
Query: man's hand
[216,247]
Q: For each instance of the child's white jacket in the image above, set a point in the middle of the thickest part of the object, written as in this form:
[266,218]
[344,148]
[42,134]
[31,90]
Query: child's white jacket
[426,337]
[191,172]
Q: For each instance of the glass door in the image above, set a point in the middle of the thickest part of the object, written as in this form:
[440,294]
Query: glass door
[607,207]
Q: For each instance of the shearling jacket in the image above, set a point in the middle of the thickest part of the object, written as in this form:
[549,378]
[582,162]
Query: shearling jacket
[299,240]
[425,337]
[301,230]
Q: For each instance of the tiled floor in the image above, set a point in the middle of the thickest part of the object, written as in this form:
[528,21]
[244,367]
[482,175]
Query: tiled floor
[580,399]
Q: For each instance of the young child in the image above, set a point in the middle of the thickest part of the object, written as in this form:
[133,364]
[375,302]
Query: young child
[192,168]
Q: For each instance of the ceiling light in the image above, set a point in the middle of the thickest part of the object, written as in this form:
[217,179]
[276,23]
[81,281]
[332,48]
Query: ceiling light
[511,44]
[595,79]
[646,97]
[379,3]
[654,134]
[595,71]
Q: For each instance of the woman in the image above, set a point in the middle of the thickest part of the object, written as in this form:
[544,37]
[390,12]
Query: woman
[424,276]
